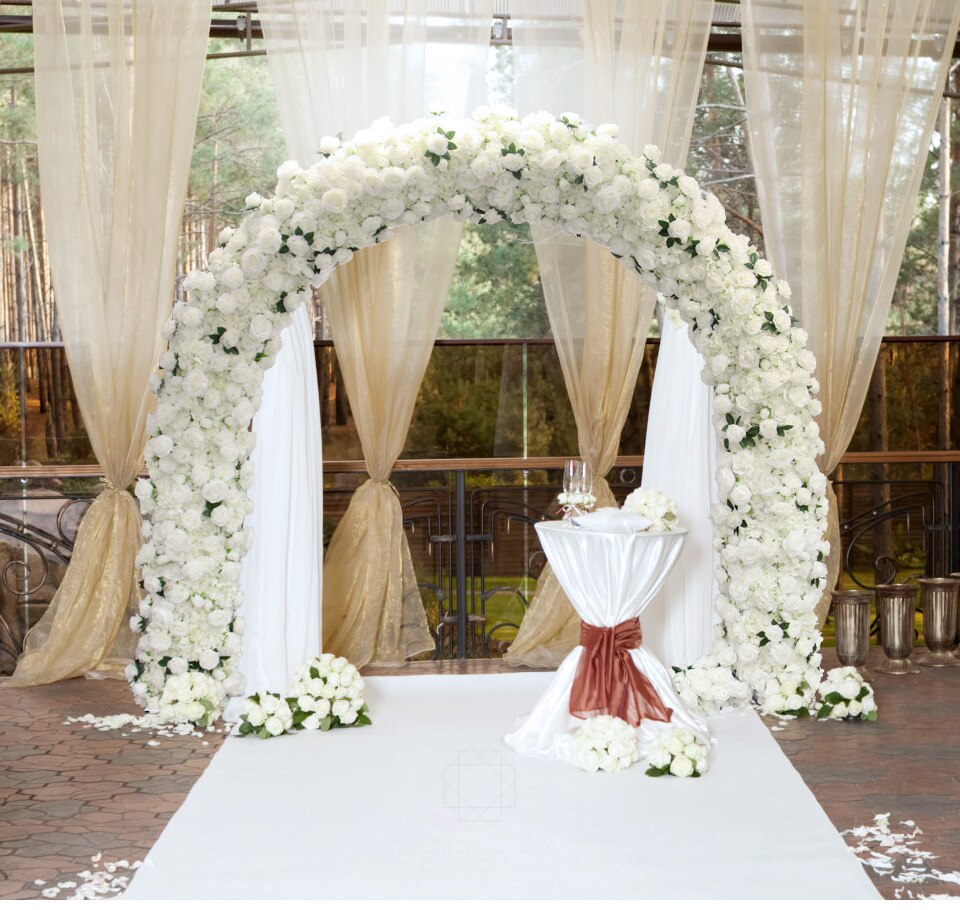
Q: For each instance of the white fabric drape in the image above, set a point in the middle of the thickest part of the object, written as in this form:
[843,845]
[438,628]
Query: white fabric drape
[853,89]
[117,90]
[680,459]
[339,66]
[639,66]
[282,575]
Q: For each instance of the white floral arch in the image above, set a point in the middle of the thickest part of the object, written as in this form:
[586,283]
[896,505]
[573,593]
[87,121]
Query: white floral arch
[769,530]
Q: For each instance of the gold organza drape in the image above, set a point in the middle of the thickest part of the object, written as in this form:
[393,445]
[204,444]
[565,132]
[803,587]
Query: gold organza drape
[117,90]
[640,67]
[384,309]
[854,89]
[599,319]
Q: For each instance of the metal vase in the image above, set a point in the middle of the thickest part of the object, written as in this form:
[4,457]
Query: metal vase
[956,638]
[938,600]
[851,612]
[896,607]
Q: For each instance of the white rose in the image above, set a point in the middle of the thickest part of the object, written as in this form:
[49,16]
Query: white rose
[550,160]
[334,200]
[850,688]
[255,714]
[437,143]
[274,726]
[681,766]
[688,186]
[312,722]
[261,328]
[208,659]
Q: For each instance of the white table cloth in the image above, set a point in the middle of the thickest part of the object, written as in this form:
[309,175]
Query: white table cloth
[609,577]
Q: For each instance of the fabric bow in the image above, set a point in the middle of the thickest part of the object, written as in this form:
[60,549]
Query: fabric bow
[608,681]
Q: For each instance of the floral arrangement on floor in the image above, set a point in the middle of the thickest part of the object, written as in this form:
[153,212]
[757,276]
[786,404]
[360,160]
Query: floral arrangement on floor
[327,693]
[845,695]
[679,753]
[771,519]
[605,743]
[191,697]
[659,508]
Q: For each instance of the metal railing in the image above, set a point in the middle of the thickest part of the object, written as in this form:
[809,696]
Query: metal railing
[469,523]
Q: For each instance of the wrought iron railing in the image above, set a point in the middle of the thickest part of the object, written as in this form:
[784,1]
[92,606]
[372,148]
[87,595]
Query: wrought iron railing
[470,522]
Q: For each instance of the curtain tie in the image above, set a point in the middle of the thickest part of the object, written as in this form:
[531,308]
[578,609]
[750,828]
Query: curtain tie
[608,681]
[108,486]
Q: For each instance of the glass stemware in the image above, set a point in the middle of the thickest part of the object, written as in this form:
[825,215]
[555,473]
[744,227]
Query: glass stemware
[572,482]
[586,478]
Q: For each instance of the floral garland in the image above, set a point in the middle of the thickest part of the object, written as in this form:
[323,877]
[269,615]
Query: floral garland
[769,526]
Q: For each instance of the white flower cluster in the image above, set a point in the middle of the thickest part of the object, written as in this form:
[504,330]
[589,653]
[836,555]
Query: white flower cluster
[713,686]
[652,504]
[678,752]
[331,689]
[193,698]
[582,501]
[326,693]
[266,715]
[605,743]
[770,524]
[846,695]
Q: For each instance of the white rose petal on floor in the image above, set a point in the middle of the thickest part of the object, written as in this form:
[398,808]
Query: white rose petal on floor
[429,803]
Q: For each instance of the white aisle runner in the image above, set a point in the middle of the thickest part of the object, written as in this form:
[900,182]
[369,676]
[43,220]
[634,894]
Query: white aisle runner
[428,803]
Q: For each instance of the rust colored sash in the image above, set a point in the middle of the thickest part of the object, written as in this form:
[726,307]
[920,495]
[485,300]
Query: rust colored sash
[607,679]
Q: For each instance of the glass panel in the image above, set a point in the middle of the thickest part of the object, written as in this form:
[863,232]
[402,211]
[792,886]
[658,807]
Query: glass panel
[914,399]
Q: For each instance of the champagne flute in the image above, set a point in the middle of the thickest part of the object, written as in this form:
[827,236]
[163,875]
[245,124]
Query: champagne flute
[572,478]
[586,481]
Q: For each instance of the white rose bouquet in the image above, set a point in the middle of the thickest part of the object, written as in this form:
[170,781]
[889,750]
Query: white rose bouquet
[678,752]
[605,743]
[844,695]
[191,697]
[327,692]
[658,507]
[267,715]
[330,690]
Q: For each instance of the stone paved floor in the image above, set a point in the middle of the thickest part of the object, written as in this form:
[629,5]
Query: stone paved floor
[67,793]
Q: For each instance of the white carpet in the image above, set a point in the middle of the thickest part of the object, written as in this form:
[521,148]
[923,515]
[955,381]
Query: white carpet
[428,803]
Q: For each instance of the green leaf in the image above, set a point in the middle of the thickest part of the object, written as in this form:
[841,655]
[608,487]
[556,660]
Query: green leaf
[824,712]
[657,772]
[833,698]
[362,721]
[326,723]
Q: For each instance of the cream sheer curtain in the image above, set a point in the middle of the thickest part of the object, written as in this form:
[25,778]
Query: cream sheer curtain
[639,66]
[117,90]
[342,65]
[384,315]
[853,87]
